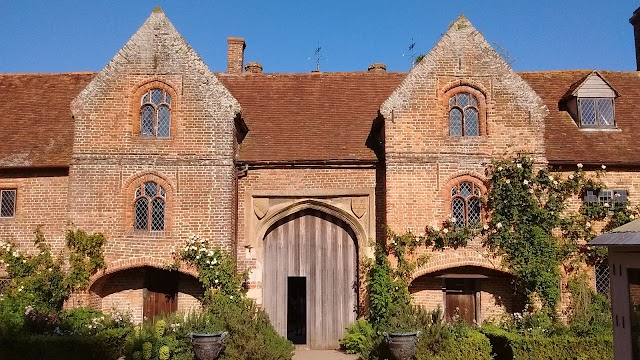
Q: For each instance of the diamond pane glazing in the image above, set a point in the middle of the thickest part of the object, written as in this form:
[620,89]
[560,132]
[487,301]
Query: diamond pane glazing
[474,101]
[164,121]
[8,204]
[605,112]
[157,215]
[471,122]
[463,100]
[454,191]
[465,189]
[452,102]
[476,192]
[457,211]
[156,96]
[145,99]
[167,98]
[587,111]
[146,120]
[138,193]
[162,192]
[455,122]
[150,189]
[474,211]
[602,278]
[141,220]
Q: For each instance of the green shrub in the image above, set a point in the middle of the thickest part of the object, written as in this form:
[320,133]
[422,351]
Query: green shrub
[473,345]
[509,345]
[251,335]
[55,347]
[360,338]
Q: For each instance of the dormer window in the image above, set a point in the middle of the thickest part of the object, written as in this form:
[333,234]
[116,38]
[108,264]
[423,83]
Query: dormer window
[591,102]
[596,112]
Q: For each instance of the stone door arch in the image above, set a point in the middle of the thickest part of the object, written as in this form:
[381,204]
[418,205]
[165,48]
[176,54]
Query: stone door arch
[319,251]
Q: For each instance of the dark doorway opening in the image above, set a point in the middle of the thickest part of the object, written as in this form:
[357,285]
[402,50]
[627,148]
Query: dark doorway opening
[160,293]
[297,309]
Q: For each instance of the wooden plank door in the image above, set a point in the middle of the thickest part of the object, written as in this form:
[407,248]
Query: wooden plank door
[460,300]
[160,293]
[322,249]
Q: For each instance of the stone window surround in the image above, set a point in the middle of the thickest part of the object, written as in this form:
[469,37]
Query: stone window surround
[464,87]
[136,110]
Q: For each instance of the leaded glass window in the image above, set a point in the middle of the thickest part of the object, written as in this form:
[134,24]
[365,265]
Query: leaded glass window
[602,277]
[149,207]
[155,113]
[463,115]
[466,208]
[7,203]
[596,112]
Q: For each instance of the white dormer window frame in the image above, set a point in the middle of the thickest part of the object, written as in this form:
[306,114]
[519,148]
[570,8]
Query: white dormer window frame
[591,103]
[596,112]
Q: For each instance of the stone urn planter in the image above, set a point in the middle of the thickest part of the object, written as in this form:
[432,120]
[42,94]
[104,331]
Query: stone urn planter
[208,346]
[402,345]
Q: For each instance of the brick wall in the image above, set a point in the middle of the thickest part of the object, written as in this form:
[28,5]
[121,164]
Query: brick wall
[41,199]
[423,162]
[195,164]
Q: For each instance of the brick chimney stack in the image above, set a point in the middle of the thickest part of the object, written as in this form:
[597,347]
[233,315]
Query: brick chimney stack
[635,21]
[235,55]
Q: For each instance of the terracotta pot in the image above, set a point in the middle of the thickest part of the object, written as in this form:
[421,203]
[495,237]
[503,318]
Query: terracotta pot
[402,345]
[208,346]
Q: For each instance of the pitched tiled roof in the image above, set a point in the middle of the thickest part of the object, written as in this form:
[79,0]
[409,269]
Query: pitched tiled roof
[35,117]
[309,117]
[566,143]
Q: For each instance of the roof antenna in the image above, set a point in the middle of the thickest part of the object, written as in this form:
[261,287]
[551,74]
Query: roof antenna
[413,53]
[318,57]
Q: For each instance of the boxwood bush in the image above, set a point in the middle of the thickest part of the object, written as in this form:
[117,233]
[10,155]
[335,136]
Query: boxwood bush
[511,345]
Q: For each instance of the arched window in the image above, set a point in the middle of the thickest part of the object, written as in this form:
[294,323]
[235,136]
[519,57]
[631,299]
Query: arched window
[155,113]
[463,115]
[465,204]
[149,207]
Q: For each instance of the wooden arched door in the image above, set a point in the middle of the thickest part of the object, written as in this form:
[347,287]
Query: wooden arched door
[310,285]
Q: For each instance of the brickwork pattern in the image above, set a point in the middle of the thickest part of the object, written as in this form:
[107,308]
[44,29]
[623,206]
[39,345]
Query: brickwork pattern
[195,165]
[41,199]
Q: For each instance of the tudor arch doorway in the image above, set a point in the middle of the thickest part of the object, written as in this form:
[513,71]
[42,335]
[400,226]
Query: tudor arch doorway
[310,288]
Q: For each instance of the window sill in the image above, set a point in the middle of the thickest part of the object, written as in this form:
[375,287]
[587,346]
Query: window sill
[147,233]
[597,129]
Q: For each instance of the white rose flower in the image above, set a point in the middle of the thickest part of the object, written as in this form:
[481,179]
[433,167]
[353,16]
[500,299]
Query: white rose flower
[519,166]
[499,168]
[603,167]
[570,176]
[445,230]
[499,225]
[579,166]
[526,182]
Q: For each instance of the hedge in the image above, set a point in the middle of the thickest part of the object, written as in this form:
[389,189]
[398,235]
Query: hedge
[56,347]
[513,346]
[474,345]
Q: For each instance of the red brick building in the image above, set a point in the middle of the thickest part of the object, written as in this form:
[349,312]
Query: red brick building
[294,173]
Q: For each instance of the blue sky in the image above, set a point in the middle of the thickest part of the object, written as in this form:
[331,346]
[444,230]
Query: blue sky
[64,36]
